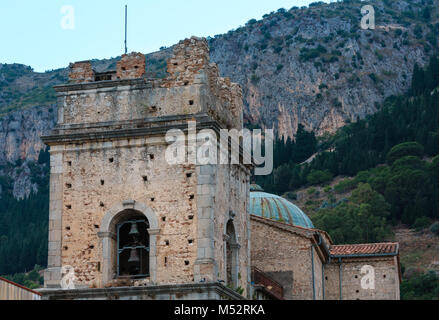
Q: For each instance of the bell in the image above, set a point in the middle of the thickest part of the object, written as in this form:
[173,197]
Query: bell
[134,231]
[134,257]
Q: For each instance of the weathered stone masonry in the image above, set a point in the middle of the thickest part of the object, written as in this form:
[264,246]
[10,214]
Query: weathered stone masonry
[107,159]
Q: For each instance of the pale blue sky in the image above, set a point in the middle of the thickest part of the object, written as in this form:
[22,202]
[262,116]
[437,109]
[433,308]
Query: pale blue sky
[32,34]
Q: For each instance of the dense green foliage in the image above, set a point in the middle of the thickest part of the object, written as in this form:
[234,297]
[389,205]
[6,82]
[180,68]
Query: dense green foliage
[421,287]
[24,223]
[361,220]
[386,152]
[31,280]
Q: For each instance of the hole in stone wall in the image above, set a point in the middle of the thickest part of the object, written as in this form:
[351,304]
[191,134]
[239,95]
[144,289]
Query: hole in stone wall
[98,266]
[175,64]
[167,242]
[166,261]
[152,199]
[358,291]
[191,102]
[111,160]
[91,247]
[124,69]
[69,163]
[102,182]
[326,278]
[191,217]
[191,197]
[151,156]
[68,185]
[145,179]
[68,228]
[186,83]
[68,207]
[96,226]
[191,241]
[186,262]
[102,204]
[384,276]
[164,219]
[66,248]
[356,277]
[188,175]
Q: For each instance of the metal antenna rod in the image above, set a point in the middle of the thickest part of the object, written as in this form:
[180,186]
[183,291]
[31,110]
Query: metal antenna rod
[126,28]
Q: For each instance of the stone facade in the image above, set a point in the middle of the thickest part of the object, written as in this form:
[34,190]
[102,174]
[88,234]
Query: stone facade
[278,249]
[212,291]
[387,279]
[301,261]
[108,159]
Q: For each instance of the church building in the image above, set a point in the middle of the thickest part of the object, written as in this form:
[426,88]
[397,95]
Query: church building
[127,224]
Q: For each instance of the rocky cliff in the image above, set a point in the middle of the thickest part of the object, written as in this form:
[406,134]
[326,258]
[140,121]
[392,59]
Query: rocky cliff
[313,66]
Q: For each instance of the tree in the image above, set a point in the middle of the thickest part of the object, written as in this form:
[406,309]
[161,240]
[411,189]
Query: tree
[405,149]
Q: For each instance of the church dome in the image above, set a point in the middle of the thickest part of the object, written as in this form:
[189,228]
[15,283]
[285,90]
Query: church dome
[271,206]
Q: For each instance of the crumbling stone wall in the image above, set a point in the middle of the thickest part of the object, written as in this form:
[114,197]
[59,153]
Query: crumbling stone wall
[81,72]
[109,147]
[131,66]
[386,279]
[92,185]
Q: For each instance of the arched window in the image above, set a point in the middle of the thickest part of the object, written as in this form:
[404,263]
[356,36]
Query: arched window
[133,247]
[232,253]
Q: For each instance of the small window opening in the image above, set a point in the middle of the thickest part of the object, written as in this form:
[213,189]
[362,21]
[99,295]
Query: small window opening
[188,175]
[102,182]
[191,241]
[164,219]
[145,179]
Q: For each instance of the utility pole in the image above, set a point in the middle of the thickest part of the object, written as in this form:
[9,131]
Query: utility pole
[126,28]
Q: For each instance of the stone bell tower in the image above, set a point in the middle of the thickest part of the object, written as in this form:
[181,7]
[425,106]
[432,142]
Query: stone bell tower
[110,179]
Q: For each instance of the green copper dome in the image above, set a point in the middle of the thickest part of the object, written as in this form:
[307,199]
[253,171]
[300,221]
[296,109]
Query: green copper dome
[270,206]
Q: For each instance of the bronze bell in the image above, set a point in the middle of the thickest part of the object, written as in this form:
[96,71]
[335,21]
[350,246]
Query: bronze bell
[134,257]
[134,231]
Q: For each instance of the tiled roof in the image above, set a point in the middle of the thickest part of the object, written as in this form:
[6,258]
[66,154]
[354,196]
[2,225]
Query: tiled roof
[365,249]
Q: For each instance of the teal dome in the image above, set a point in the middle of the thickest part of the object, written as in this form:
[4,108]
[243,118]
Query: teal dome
[271,206]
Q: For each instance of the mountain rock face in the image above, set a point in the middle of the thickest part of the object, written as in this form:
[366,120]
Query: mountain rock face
[317,67]
[313,66]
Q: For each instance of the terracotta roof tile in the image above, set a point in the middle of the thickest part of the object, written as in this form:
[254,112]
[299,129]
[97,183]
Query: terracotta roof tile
[365,249]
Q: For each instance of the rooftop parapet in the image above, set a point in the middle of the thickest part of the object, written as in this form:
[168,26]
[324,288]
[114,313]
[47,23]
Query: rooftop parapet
[131,66]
